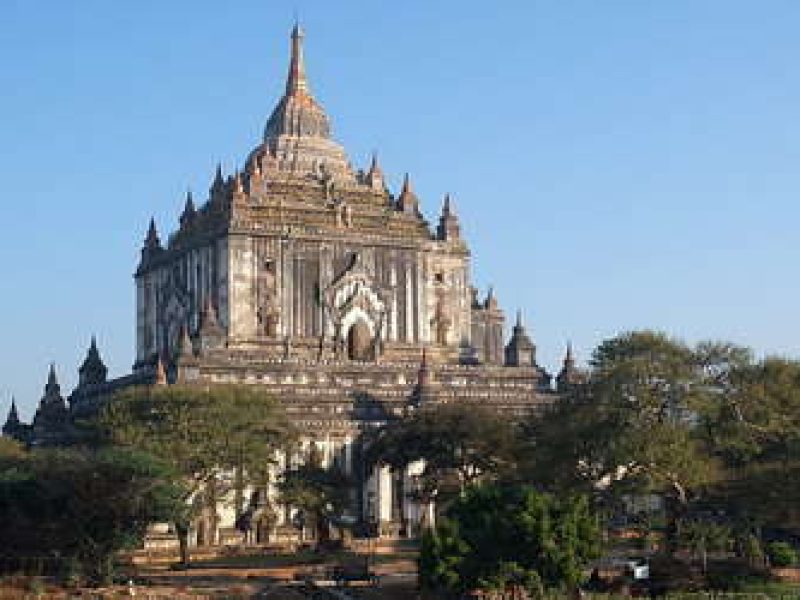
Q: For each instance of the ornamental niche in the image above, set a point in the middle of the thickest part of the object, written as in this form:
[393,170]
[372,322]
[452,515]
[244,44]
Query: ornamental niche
[356,310]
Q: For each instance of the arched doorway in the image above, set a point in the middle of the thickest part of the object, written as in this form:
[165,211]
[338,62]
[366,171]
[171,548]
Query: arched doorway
[359,341]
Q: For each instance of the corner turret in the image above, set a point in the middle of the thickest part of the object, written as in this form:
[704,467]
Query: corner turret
[152,244]
[520,350]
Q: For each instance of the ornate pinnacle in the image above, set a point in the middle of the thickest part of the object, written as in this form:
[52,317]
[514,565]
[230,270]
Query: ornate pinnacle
[568,358]
[52,387]
[238,185]
[208,319]
[161,373]
[406,186]
[152,241]
[13,415]
[185,347]
[218,182]
[296,81]
[446,209]
[408,200]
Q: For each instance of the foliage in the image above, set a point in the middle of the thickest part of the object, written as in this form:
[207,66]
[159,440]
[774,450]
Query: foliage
[499,534]
[781,554]
[632,428]
[203,432]
[320,494]
[83,506]
[701,537]
[460,444]
[753,425]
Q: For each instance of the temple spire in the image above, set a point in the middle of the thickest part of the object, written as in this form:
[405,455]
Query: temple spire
[296,83]
[152,241]
[448,228]
[13,415]
[188,210]
[52,380]
[568,358]
[92,371]
[408,201]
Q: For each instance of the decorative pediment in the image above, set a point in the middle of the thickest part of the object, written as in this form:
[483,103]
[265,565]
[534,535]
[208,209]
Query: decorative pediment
[354,296]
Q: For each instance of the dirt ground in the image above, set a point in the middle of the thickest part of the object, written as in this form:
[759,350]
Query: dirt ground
[237,578]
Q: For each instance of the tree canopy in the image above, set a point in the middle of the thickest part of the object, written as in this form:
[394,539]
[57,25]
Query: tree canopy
[498,536]
[83,506]
[215,435]
[461,443]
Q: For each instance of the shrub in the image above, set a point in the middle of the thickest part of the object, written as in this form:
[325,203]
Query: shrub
[781,554]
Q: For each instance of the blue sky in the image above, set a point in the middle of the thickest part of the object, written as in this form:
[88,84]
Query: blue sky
[616,164]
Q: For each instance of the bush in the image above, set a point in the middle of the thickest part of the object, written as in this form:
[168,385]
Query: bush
[501,537]
[781,554]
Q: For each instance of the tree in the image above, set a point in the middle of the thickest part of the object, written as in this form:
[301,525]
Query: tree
[752,423]
[84,506]
[459,444]
[632,429]
[702,537]
[215,437]
[499,535]
[320,494]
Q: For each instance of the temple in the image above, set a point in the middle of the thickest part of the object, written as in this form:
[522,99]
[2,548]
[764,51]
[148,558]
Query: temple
[309,277]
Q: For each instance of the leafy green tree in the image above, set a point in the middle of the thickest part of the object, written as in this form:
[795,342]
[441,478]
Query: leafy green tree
[499,535]
[460,445]
[752,423]
[781,554]
[320,494]
[203,432]
[632,429]
[701,537]
[84,506]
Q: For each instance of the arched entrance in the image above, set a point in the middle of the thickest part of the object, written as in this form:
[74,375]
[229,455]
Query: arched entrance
[359,342]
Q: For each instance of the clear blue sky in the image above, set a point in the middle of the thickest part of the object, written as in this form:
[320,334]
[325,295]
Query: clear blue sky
[616,164]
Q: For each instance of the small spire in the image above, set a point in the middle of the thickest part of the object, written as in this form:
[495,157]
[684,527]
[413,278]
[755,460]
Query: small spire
[519,319]
[374,177]
[52,380]
[92,371]
[491,300]
[448,228]
[12,424]
[13,415]
[161,373]
[407,201]
[185,346]
[209,322]
[152,241]
[296,81]
[406,185]
[568,358]
[189,211]
[219,182]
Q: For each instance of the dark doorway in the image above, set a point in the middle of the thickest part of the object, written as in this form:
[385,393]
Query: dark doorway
[359,342]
